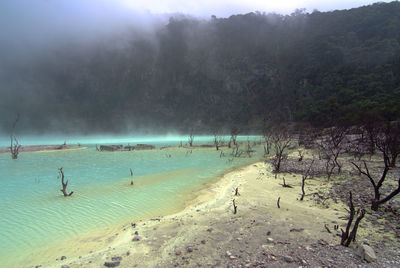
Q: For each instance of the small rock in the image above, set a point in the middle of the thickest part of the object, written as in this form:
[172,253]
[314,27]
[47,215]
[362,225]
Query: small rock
[367,253]
[117,258]
[63,258]
[64,266]
[210,229]
[203,241]
[232,257]
[269,239]
[288,259]
[189,249]
[177,253]
[136,233]
[111,263]
[269,232]
[133,224]
[137,238]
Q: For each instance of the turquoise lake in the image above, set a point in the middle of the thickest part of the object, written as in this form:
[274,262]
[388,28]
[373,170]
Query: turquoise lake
[34,212]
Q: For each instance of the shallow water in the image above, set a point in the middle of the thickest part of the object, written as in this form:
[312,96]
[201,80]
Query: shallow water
[35,214]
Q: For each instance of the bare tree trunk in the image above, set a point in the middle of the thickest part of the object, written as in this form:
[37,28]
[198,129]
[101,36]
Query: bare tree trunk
[377,201]
[281,139]
[234,133]
[237,191]
[393,161]
[64,184]
[191,138]
[217,141]
[14,145]
[347,237]
[131,175]
[331,144]
[284,183]
[249,149]
[304,178]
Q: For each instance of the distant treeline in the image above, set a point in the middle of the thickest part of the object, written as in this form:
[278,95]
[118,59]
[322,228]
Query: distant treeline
[319,68]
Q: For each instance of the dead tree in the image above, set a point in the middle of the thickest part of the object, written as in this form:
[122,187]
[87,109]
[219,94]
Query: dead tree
[267,130]
[307,136]
[267,133]
[284,184]
[331,146]
[266,151]
[236,152]
[329,164]
[377,200]
[14,144]
[281,140]
[234,133]
[131,175]
[360,147]
[191,138]
[347,236]
[388,142]
[64,184]
[327,228]
[249,149]
[217,141]
[303,180]
[237,191]
[14,148]
[371,128]
[234,206]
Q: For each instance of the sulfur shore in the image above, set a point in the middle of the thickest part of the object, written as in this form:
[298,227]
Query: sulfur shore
[208,234]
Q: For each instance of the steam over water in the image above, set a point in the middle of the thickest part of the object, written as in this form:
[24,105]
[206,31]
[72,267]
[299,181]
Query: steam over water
[34,214]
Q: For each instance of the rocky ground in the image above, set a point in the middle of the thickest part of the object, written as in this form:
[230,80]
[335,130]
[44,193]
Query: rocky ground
[298,234]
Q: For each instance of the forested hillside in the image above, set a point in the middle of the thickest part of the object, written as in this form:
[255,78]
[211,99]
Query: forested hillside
[321,68]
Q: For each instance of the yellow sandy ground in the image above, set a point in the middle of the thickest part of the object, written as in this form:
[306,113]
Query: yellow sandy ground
[212,208]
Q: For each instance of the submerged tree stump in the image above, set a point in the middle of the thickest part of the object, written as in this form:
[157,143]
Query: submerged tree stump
[64,184]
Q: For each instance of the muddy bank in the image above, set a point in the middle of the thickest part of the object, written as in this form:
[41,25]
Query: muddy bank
[37,148]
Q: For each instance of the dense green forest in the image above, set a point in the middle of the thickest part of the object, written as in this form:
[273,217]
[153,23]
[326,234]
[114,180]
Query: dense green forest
[320,68]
